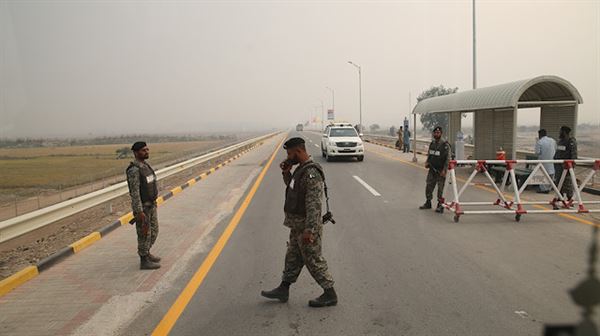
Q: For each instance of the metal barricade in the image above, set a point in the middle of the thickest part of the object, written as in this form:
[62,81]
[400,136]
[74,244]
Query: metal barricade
[515,205]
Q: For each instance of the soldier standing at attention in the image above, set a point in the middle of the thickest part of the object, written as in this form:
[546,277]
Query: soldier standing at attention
[303,203]
[566,149]
[438,157]
[143,191]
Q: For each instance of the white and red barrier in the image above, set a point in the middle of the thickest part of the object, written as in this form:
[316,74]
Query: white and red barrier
[516,205]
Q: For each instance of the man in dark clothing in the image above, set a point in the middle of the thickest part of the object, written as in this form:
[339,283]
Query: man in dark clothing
[303,215]
[566,149]
[143,191]
[438,157]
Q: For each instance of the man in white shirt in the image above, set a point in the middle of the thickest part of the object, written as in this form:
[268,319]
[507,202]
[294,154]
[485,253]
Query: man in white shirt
[545,148]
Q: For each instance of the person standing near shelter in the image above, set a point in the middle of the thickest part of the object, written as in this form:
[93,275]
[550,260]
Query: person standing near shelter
[566,149]
[400,142]
[545,148]
[438,157]
[303,203]
[406,140]
[143,191]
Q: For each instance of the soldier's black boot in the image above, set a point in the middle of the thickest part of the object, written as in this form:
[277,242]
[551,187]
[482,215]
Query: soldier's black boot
[427,205]
[146,264]
[440,208]
[328,298]
[153,258]
[281,293]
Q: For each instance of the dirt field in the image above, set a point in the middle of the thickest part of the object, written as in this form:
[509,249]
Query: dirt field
[34,246]
[26,172]
[588,142]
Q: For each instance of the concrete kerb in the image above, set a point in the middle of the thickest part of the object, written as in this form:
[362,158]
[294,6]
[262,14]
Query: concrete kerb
[32,271]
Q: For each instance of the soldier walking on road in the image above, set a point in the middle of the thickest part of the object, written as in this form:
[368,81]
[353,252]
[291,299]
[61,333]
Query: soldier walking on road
[566,149]
[303,204]
[438,158]
[143,191]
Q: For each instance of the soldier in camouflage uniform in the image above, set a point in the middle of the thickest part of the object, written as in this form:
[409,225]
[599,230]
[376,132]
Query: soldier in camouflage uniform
[566,149]
[303,204]
[143,191]
[438,157]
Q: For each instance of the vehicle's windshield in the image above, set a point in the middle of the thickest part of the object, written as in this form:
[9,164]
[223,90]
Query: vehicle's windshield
[343,132]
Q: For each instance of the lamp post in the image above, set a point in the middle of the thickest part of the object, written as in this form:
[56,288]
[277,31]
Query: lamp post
[322,116]
[359,94]
[332,98]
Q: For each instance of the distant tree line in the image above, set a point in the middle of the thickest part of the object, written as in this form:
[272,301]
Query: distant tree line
[124,139]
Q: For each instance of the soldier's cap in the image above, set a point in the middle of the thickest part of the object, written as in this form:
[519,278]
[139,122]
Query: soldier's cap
[293,142]
[566,129]
[138,145]
[437,128]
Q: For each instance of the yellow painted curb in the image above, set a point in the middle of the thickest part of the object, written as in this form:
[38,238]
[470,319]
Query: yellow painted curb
[18,279]
[176,191]
[126,218]
[31,272]
[85,241]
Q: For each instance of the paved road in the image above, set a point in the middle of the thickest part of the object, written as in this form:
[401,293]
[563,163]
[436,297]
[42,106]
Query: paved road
[398,270]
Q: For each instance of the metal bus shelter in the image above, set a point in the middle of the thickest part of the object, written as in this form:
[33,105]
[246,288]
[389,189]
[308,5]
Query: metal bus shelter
[495,110]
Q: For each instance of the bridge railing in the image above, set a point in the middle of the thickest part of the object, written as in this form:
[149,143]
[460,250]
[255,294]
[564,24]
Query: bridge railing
[22,224]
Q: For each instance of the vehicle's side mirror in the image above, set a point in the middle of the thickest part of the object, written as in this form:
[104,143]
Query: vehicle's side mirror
[324,135]
[360,135]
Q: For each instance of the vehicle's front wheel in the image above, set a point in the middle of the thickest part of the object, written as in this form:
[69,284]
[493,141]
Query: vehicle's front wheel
[328,157]
[360,158]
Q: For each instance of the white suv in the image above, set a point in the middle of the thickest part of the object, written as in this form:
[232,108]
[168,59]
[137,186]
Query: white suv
[342,140]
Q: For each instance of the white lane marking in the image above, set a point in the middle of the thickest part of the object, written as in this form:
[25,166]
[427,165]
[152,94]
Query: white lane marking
[368,187]
[316,145]
[522,313]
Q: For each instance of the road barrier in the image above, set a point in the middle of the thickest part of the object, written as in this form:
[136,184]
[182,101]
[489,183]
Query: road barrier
[17,226]
[516,204]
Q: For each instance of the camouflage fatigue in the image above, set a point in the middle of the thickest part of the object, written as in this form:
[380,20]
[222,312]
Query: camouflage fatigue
[438,156]
[565,149]
[434,178]
[146,241]
[567,187]
[299,253]
[313,182]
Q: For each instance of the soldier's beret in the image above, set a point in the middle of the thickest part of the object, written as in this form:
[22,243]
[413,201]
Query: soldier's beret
[293,142]
[138,145]
[437,128]
[566,129]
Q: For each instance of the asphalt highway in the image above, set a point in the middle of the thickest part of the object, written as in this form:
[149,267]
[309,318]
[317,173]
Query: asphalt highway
[398,270]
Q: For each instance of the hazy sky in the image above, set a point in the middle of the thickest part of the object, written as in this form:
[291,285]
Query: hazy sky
[72,68]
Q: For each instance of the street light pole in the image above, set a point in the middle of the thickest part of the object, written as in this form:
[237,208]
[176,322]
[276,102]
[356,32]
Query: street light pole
[322,116]
[359,94]
[474,50]
[332,98]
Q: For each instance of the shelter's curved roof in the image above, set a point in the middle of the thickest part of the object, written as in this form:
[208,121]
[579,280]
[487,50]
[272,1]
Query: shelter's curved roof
[542,88]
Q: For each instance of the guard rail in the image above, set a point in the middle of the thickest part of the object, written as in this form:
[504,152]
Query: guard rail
[28,222]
